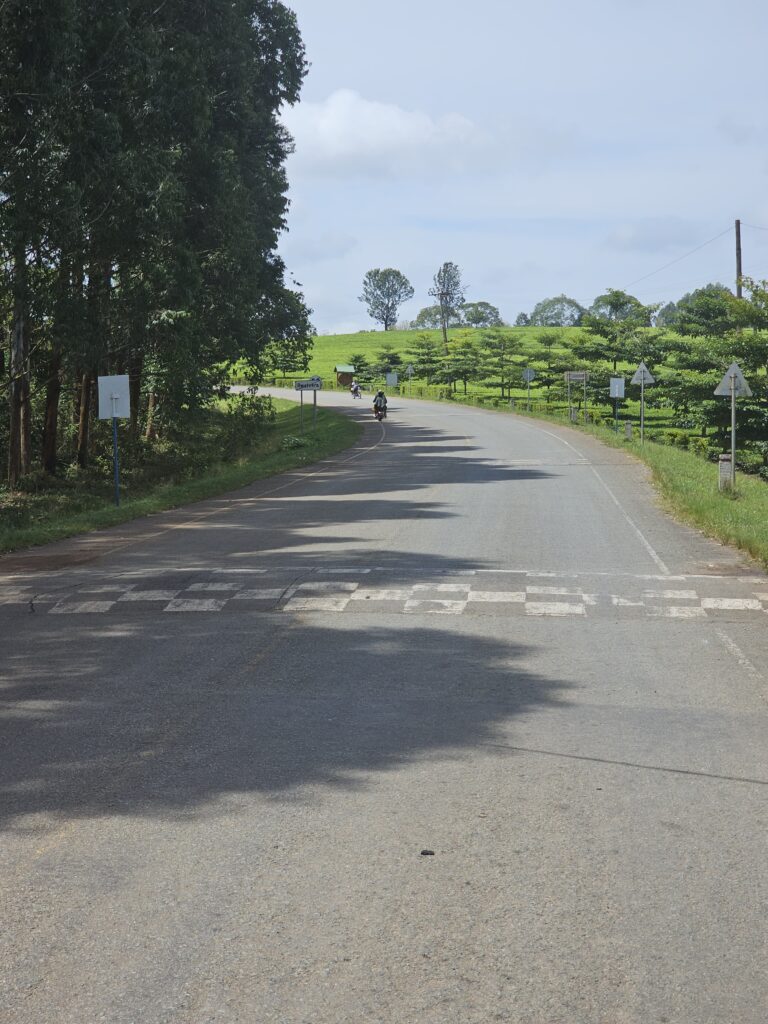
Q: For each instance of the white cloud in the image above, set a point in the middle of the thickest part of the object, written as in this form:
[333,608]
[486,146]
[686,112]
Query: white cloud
[308,249]
[655,234]
[347,135]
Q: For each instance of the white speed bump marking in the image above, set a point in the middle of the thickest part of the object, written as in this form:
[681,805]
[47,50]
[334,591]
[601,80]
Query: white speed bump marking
[316,604]
[498,596]
[732,604]
[383,594]
[192,605]
[554,608]
[327,587]
[149,595]
[82,608]
[555,591]
[214,586]
[685,611]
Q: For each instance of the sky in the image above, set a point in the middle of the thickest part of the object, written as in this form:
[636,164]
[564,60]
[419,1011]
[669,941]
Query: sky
[546,148]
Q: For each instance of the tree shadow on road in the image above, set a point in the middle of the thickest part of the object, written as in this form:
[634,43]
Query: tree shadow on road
[147,720]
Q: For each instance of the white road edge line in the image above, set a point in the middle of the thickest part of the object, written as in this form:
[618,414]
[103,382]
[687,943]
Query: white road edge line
[643,540]
[733,648]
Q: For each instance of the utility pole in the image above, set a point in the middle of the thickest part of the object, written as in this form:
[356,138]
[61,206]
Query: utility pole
[738,259]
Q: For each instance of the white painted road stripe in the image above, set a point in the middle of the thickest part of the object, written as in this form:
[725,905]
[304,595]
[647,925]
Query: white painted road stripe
[554,608]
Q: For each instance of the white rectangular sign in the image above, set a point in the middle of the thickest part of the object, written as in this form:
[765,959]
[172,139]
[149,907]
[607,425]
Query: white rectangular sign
[313,384]
[617,387]
[576,376]
[114,397]
[391,379]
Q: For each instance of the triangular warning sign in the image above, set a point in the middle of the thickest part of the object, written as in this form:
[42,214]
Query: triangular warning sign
[740,385]
[643,375]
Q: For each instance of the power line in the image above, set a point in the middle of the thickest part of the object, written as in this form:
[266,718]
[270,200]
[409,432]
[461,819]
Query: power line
[755,227]
[680,258]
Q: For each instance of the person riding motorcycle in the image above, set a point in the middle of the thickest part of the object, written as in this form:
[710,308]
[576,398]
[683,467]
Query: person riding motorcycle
[380,405]
[355,389]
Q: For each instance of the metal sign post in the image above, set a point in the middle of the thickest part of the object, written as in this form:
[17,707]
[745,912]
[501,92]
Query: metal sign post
[735,386]
[642,377]
[528,375]
[114,404]
[314,384]
[617,393]
[409,371]
[577,377]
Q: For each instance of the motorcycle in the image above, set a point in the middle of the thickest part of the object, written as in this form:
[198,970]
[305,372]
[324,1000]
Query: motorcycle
[356,392]
[380,412]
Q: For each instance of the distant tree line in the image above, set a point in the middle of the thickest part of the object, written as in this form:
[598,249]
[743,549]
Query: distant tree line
[142,193]
[384,291]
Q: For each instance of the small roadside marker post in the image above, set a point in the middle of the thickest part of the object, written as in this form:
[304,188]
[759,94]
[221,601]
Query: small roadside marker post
[734,385]
[528,376]
[409,371]
[114,404]
[642,377]
[617,393]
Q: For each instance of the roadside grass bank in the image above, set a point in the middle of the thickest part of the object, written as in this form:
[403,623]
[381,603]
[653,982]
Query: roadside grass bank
[52,509]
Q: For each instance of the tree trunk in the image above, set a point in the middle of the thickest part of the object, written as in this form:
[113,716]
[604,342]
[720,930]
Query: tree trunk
[18,397]
[149,433]
[51,426]
[84,425]
[135,368]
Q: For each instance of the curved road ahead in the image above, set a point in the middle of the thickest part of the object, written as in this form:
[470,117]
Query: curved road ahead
[231,733]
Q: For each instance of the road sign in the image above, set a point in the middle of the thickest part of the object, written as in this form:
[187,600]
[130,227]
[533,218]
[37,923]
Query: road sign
[740,387]
[576,376]
[114,398]
[313,384]
[733,386]
[391,380]
[617,387]
[115,404]
[643,375]
[409,370]
[529,375]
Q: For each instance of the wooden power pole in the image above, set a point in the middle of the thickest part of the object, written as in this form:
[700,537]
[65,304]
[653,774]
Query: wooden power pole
[738,259]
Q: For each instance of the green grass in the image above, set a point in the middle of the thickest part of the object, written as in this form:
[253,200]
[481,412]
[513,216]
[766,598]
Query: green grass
[27,520]
[331,350]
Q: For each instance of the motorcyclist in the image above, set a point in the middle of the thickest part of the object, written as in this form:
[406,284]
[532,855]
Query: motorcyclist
[355,389]
[380,404]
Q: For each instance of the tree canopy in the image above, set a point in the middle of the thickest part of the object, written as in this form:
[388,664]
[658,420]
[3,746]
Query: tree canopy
[560,311]
[384,292]
[448,290]
[143,193]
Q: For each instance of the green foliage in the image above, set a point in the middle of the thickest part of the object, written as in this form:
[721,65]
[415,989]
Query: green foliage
[448,290]
[711,312]
[426,358]
[481,314]
[144,193]
[384,291]
[561,311]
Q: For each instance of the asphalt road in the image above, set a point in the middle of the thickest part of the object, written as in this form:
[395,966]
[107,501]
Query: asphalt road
[230,732]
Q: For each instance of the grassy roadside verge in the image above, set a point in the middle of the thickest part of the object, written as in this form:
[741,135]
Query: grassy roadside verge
[268,457]
[688,485]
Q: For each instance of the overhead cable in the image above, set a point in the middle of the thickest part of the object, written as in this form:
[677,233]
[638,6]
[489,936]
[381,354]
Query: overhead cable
[680,258]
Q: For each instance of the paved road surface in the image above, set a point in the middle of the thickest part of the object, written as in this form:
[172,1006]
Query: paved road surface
[229,732]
